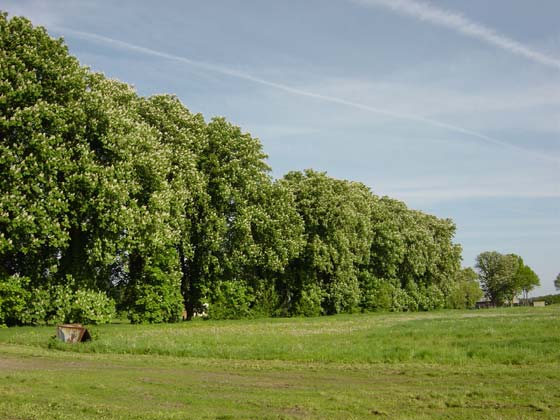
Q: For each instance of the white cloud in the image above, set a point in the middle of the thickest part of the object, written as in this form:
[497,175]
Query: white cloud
[408,97]
[486,182]
[38,12]
[465,193]
[277,130]
[227,71]
[458,23]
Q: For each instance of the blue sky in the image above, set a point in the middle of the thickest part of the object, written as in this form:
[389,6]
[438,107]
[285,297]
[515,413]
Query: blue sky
[452,106]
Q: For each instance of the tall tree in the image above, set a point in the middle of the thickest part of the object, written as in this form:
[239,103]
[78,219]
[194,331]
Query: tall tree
[41,87]
[410,247]
[525,279]
[84,180]
[497,276]
[184,136]
[557,282]
[335,213]
[244,226]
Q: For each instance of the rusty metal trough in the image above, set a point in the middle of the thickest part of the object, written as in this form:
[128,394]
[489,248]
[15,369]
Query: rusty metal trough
[72,333]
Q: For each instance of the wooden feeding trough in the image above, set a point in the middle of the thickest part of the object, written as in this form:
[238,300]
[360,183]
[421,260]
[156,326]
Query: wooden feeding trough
[72,333]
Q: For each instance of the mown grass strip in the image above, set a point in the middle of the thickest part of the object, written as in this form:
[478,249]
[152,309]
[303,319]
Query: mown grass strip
[485,364]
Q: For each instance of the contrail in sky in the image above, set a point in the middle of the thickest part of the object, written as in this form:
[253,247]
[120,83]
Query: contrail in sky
[463,25]
[300,92]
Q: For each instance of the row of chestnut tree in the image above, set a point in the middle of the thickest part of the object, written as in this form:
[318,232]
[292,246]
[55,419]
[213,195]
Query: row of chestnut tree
[109,200]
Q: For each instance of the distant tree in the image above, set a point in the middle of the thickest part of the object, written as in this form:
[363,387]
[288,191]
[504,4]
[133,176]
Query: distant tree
[465,291]
[557,282]
[549,299]
[525,279]
[496,273]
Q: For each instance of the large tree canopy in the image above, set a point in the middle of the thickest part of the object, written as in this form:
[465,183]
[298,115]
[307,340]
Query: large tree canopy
[337,230]
[411,246]
[107,197]
[41,88]
[245,227]
[365,251]
[503,277]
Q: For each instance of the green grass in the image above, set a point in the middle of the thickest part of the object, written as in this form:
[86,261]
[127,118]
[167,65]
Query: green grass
[502,363]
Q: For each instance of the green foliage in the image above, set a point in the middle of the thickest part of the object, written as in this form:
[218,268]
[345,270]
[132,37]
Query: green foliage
[39,309]
[309,302]
[400,300]
[230,300]
[244,226]
[93,177]
[154,293]
[105,193]
[410,246]
[13,299]
[91,307]
[61,304]
[496,273]
[337,231]
[154,303]
[424,298]
[557,282]
[266,300]
[388,295]
[525,278]
[377,294]
[465,291]
[40,87]
[502,277]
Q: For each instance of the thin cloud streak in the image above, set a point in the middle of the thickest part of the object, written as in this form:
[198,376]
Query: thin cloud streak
[300,92]
[459,23]
[466,193]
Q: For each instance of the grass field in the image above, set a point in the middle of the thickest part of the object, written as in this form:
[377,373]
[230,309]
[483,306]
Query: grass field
[502,363]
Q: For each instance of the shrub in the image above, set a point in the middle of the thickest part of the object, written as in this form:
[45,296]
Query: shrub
[342,295]
[415,297]
[267,301]
[60,304]
[13,299]
[377,294]
[155,295]
[465,291]
[309,303]
[463,295]
[91,307]
[434,298]
[422,298]
[155,304]
[230,300]
[400,300]
[37,308]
